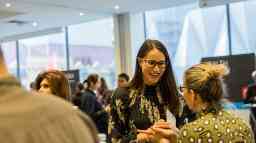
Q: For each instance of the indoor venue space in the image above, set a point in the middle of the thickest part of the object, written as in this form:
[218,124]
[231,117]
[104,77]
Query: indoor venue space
[127,71]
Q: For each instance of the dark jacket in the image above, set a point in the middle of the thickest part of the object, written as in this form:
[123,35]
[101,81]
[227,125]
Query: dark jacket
[94,109]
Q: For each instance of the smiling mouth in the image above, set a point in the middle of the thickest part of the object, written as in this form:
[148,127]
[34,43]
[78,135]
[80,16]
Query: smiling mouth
[155,76]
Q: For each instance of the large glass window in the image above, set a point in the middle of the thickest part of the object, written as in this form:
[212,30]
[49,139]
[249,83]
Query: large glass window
[92,50]
[41,53]
[9,50]
[189,33]
[242,23]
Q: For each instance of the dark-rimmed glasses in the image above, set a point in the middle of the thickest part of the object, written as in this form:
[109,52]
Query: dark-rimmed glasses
[152,63]
[181,89]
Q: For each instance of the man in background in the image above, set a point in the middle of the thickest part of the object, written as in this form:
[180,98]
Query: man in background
[122,80]
[27,117]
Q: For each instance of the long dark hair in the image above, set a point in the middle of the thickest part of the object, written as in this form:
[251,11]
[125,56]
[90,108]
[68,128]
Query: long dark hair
[167,82]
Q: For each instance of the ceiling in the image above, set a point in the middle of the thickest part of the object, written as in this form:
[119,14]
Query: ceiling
[56,13]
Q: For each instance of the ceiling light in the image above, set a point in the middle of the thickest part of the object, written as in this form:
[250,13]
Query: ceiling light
[117,7]
[81,13]
[34,24]
[8,5]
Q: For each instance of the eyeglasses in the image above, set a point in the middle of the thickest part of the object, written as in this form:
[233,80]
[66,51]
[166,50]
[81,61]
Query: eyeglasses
[153,63]
[181,89]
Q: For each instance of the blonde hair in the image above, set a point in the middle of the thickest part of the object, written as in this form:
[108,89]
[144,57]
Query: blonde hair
[206,80]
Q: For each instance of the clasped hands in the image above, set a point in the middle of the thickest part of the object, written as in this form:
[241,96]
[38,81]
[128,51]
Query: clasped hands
[160,132]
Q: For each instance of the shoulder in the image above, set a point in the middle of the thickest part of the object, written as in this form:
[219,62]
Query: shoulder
[88,94]
[49,103]
[238,125]
[123,91]
[197,129]
[188,129]
[61,115]
[33,110]
[236,122]
[121,97]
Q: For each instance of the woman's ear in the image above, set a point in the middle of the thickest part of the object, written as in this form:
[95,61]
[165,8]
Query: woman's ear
[193,97]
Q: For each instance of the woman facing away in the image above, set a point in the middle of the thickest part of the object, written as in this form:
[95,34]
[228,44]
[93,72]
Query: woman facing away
[91,106]
[53,82]
[203,90]
[143,104]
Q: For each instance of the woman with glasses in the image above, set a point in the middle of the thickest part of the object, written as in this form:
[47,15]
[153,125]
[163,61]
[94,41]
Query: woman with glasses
[202,91]
[138,111]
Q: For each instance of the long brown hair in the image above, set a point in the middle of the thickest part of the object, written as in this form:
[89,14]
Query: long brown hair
[58,83]
[167,83]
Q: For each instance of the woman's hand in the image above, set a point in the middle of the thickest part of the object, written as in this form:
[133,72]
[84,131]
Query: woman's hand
[145,135]
[160,132]
[165,130]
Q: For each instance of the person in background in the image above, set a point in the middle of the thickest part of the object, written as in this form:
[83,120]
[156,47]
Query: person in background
[122,80]
[32,86]
[29,118]
[78,94]
[85,84]
[53,82]
[103,93]
[91,106]
[249,91]
[139,111]
[203,91]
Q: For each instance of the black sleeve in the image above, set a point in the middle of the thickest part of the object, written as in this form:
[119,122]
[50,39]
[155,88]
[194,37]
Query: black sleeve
[118,121]
[88,104]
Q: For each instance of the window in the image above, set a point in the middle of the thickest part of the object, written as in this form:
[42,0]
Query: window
[242,23]
[92,50]
[41,53]
[189,33]
[9,50]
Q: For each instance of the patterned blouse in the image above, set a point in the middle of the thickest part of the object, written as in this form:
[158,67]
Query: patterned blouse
[216,126]
[131,110]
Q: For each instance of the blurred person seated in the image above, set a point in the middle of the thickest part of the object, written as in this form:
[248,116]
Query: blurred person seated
[53,82]
[91,106]
[39,119]
[122,80]
[203,91]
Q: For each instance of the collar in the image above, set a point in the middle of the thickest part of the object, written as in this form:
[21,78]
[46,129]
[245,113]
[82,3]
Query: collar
[214,109]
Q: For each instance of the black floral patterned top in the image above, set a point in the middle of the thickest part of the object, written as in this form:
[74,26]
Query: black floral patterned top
[132,110]
[215,125]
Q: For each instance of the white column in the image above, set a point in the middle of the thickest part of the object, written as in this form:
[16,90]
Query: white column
[129,35]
